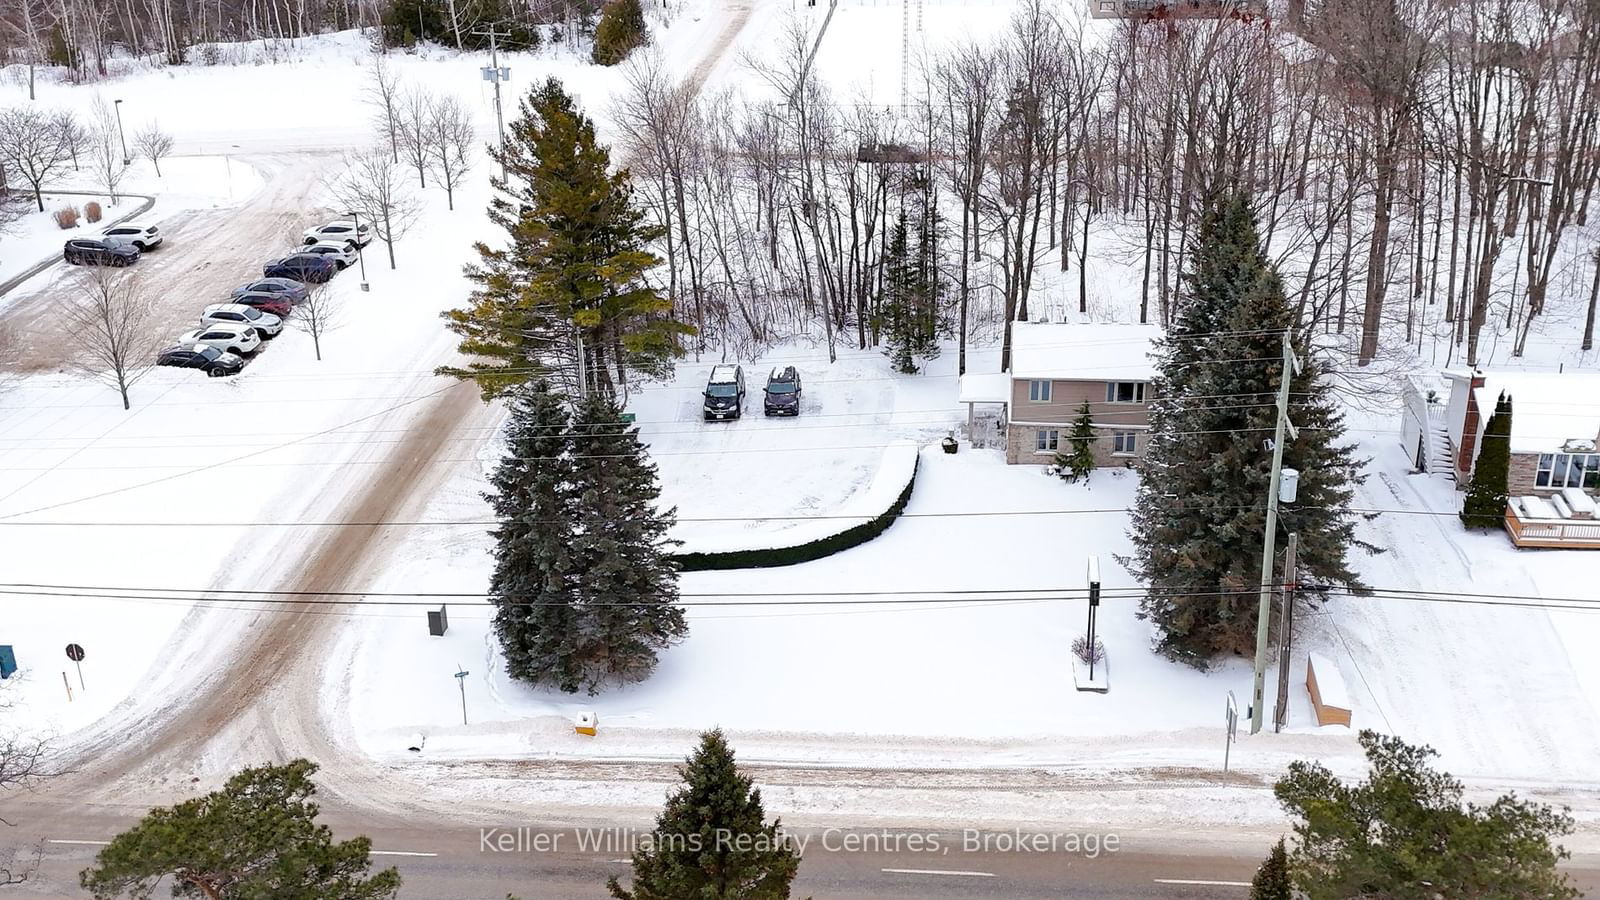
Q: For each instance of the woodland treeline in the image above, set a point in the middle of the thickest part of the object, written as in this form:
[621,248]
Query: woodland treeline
[1423,169]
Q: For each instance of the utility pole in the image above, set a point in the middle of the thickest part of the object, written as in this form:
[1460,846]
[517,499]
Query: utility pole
[1291,365]
[496,74]
[1280,712]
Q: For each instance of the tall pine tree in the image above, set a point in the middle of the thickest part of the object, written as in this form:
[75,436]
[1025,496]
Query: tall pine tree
[571,279]
[535,583]
[1407,832]
[257,837]
[628,580]
[584,589]
[908,299]
[1487,495]
[1200,517]
[713,842]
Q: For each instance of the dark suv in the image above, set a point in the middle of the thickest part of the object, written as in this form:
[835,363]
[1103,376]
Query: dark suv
[84,251]
[207,359]
[725,393]
[305,267]
[783,392]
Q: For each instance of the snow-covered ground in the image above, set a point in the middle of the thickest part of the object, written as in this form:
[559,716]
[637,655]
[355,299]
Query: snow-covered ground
[918,662]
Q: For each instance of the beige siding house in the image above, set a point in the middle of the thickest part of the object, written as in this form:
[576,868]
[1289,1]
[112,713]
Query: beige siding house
[1056,368]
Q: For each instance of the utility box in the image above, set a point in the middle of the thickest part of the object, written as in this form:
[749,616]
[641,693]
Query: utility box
[586,723]
[8,661]
[438,622]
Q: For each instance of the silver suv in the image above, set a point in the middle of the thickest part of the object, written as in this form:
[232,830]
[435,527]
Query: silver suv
[133,234]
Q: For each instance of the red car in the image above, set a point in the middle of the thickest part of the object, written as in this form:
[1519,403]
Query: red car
[277,304]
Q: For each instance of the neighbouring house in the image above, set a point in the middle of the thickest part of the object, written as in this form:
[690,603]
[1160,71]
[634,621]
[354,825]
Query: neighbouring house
[1054,369]
[1555,445]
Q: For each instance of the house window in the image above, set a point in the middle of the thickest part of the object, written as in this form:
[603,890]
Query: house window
[1046,440]
[1039,391]
[1108,6]
[1563,470]
[1124,392]
[1124,443]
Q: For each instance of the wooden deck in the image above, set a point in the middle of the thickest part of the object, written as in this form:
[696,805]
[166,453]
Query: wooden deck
[1563,534]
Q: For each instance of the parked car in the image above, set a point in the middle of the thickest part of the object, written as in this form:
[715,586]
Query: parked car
[267,303]
[782,392]
[210,360]
[141,237]
[91,252]
[725,393]
[343,231]
[307,267]
[228,336]
[239,314]
[288,288]
[341,253]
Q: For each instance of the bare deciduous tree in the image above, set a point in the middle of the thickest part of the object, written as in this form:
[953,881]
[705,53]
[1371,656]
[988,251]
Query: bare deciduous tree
[373,185]
[153,143]
[21,763]
[32,148]
[113,318]
[383,94]
[414,113]
[317,315]
[450,139]
[74,136]
[105,157]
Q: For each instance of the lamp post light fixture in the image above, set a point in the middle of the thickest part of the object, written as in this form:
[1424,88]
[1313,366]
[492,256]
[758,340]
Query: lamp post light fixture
[355,216]
[126,159]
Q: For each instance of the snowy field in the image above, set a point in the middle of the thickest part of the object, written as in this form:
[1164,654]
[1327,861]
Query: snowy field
[916,662]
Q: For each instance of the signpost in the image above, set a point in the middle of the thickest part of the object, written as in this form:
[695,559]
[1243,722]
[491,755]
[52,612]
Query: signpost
[1232,715]
[461,679]
[75,653]
[1094,607]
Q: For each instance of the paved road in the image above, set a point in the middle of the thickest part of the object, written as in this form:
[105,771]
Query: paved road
[456,861]
[443,860]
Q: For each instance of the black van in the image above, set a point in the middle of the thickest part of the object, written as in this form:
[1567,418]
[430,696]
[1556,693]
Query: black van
[783,392]
[725,393]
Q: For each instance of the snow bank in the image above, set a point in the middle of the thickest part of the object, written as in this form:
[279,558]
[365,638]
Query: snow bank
[860,519]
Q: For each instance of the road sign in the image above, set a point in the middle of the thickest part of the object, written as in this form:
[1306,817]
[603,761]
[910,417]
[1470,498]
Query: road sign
[1232,714]
[75,653]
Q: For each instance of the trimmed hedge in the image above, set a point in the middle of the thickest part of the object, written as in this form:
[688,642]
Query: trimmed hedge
[767,557]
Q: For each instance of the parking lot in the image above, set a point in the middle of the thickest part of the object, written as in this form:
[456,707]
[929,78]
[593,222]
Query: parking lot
[204,254]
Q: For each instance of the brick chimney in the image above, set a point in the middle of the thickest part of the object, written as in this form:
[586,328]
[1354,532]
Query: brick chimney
[1469,430]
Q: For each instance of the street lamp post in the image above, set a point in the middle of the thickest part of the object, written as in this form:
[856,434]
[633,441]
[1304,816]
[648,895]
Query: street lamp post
[355,216]
[126,159]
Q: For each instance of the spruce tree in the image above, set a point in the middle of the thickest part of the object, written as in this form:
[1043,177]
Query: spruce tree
[1272,881]
[627,582]
[1487,495]
[712,839]
[573,270]
[907,315]
[535,583]
[256,838]
[1407,832]
[1200,518]
[1076,459]
[621,30]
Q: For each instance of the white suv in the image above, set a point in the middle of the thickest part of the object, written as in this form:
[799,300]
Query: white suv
[133,234]
[341,253]
[239,314]
[343,231]
[230,337]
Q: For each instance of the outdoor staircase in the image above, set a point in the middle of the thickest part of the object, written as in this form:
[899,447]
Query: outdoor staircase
[1438,453]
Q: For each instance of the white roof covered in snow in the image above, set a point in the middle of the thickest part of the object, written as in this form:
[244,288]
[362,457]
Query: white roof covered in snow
[1077,352]
[984,387]
[1547,408]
